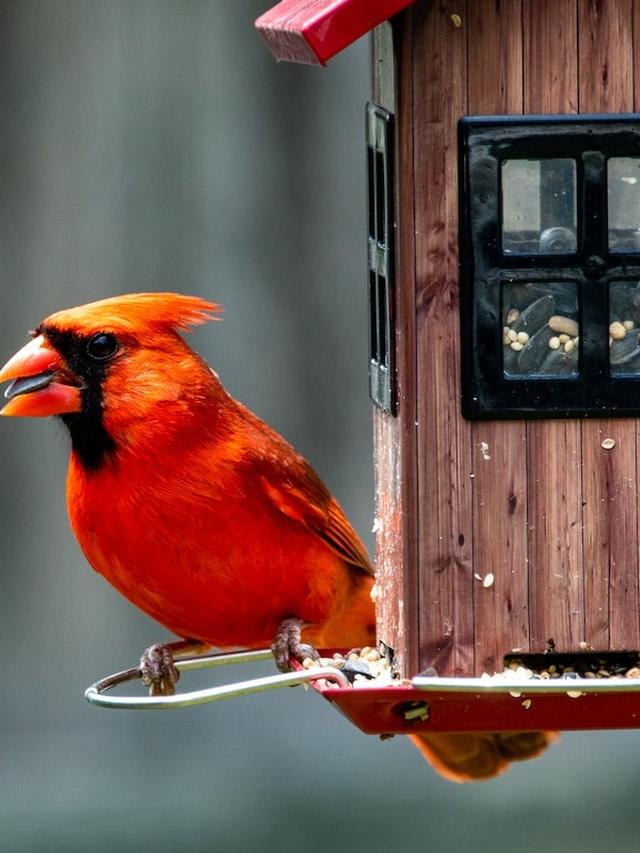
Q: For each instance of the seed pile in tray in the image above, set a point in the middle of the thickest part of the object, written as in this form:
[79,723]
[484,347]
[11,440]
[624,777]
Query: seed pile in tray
[361,666]
[585,663]
[367,667]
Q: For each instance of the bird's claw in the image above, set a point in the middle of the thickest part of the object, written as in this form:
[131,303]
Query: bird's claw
[158,670]
[287,645]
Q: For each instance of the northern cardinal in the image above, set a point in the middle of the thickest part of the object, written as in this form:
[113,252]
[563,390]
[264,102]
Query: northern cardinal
[196,510]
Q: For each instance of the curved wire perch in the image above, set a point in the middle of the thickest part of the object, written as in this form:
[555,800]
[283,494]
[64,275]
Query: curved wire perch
[96,692]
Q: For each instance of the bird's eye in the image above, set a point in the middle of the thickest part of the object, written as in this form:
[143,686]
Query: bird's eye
[102,346]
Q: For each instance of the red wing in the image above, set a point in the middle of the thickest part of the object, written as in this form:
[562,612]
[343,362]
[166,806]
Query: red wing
[299,493]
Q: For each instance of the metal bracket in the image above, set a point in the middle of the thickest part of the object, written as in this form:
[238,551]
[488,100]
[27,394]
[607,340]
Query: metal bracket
[96,693]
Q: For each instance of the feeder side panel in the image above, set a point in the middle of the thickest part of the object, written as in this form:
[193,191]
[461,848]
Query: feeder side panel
[556,594]
[394,437]
[499,484]
[634,571]
[610,476]
[444,439]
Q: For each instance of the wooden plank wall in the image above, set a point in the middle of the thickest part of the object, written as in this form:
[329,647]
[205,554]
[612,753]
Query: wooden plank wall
[556,588]
[499,448]
[445,543]
[541,505]
[605,84]
[395,446]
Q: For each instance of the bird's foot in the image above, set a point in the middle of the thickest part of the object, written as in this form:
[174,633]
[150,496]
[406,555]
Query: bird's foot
[286,645]
[159,672]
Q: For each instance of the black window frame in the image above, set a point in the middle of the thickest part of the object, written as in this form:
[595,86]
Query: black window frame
[484,143]
[380,256]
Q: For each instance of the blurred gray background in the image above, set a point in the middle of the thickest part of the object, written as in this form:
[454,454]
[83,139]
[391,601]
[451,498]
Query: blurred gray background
[155,144]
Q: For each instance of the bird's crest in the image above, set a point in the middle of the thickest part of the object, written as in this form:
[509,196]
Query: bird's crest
[136,311]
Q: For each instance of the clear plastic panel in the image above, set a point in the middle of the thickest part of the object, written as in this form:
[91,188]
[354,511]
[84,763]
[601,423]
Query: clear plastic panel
[624,328]
[623,191]
[541,330]
[539,207]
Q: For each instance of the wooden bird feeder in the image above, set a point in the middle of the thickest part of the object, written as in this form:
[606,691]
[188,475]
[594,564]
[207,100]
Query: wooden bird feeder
[504,292]
[503,151]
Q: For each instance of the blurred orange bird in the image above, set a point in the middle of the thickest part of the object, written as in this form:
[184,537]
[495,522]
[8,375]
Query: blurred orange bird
[196,510]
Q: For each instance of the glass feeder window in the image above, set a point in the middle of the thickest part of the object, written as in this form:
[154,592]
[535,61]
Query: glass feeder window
[539,214]
[623,190]
[541,330]
[624,328]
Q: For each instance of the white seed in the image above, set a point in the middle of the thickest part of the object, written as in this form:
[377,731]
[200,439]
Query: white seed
[569,346]
[554,343]
[608,443]
[515,694]
[564,338]
[523,337]
[574,694]
[477,576]
[617,331]
[456,20]
[628,324]
[559,324]
[512,335]
[488,580]
[526,704]
[516,346]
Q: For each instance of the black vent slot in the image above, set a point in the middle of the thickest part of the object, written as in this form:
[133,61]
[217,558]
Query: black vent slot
[380,257]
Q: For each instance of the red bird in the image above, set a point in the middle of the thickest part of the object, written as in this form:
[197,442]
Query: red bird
[196,510]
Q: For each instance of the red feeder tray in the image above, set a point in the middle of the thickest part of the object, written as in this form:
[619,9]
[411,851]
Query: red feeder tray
[477,705]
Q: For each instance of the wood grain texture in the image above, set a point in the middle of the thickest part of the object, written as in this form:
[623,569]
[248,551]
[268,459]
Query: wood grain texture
[550,57]
[444,438]
[495,46]
[501,611]
[556,593]
[605,45]
[395,437]
[610,513]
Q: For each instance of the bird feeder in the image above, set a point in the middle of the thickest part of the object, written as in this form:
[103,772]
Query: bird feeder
[503,156]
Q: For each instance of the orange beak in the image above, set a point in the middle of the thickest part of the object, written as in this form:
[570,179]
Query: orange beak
[41,383]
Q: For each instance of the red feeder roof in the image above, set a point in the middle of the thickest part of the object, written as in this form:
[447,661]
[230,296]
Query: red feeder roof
[312,31]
